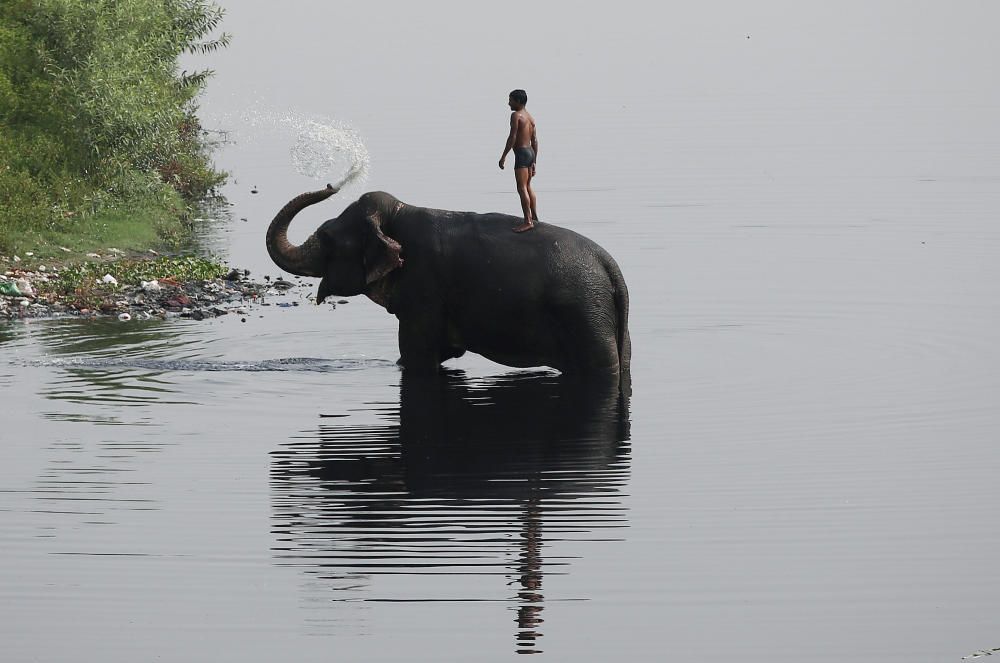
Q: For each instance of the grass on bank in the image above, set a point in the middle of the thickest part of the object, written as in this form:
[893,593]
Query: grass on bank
[139,227]
[134,228]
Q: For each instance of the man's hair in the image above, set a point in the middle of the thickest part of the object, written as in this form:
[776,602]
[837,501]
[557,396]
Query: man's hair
[520,96]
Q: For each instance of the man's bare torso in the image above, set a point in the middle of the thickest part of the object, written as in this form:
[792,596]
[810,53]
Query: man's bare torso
[525,130]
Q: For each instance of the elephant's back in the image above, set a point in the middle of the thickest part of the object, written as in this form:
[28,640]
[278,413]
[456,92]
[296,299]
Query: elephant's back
[484,253]
[494,234]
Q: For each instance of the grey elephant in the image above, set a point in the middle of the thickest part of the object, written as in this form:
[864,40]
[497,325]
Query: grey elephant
[461,281]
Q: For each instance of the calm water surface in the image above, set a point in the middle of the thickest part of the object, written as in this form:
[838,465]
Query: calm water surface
[807,469]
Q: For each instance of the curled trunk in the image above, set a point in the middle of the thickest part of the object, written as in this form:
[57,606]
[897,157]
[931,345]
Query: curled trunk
[303,260]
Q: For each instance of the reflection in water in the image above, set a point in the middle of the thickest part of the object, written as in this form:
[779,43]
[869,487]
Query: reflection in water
[6,332]
[122,388]
[106,337]
[478,477]
[94,355]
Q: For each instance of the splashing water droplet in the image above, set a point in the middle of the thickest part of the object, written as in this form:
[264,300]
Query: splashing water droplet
[325,149]
[320,147]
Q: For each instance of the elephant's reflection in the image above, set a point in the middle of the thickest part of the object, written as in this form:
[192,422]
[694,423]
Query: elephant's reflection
[467,482]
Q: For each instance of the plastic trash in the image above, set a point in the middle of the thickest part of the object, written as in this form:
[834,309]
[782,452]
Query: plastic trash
[110,280]
[9,289]
[151,286]
[25,287]
[124,317]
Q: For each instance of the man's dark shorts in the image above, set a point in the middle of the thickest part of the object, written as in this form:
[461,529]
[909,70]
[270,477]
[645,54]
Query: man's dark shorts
[524,157]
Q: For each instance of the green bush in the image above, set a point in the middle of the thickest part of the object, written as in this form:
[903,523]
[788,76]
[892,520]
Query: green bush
[95,117]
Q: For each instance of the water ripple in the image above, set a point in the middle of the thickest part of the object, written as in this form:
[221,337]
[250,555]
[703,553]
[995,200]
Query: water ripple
[302,364]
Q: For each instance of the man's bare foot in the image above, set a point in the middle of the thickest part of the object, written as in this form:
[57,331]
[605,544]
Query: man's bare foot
[524,227]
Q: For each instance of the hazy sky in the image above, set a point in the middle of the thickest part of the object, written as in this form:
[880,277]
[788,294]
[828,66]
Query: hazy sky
[422,53]
[812,78]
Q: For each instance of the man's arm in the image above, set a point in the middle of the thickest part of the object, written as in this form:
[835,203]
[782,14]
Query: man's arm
[514,121]
[534,148]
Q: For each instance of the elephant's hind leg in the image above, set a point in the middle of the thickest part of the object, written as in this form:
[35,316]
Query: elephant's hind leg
[593,356]
[587,341]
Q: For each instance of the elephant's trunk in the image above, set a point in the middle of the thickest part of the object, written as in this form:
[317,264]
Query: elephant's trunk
[304,260]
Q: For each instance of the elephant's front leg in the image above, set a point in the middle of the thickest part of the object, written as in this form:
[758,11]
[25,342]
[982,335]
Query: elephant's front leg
[421,343]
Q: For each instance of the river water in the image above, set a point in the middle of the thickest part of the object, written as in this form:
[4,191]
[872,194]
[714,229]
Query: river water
[803,201]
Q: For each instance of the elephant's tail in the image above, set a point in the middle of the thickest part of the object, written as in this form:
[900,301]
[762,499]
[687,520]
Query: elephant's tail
[621,306]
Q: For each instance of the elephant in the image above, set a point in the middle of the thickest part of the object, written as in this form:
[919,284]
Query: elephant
[459,281]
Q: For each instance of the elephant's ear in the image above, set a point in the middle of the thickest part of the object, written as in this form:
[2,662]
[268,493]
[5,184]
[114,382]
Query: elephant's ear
[382,253]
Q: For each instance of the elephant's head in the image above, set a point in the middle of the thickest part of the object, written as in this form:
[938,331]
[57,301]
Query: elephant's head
[351,253]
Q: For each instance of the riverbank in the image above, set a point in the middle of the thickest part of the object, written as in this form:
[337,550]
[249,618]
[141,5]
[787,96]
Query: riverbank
[135,288]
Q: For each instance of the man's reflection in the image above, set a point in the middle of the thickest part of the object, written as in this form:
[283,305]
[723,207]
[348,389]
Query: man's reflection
[436,494]
[529,568]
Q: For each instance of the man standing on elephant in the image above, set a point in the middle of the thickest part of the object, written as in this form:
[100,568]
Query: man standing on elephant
[524,142]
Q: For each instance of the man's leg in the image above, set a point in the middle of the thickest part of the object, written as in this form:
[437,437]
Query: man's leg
[521,177]
[531,196]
